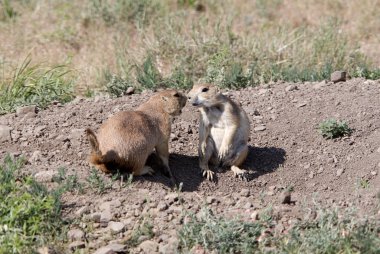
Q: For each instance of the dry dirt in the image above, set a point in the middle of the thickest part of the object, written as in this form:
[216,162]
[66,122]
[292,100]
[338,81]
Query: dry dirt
[289,151]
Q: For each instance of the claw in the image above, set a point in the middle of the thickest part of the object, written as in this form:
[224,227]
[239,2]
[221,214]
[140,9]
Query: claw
[208,174]
[240,173]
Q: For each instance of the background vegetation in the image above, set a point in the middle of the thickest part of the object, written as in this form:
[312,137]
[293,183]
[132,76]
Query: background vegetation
[111,45]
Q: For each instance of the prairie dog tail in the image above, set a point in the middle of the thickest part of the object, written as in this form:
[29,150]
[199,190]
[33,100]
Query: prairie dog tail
[96,157]
[93,141]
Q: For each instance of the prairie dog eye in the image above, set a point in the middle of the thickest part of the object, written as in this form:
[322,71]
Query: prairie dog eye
[205,89]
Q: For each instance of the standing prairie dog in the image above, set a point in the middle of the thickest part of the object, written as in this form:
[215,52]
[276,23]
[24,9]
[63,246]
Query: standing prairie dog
[223,131]
[126,139]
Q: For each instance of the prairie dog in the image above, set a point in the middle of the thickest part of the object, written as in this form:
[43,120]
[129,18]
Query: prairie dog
[223,130]
[125,140]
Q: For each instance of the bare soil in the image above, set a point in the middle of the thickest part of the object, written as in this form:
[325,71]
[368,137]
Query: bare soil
[289,152]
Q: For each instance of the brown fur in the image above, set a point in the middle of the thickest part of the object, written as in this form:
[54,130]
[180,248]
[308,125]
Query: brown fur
[126,139]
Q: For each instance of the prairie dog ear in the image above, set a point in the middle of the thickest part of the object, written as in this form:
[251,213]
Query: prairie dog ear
[175,93]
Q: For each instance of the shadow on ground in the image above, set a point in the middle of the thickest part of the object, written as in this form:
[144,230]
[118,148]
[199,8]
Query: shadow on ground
[263,160]
[185,168]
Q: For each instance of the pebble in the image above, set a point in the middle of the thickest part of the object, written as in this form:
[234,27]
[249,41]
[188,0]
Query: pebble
[378,150]
[171,197]
[337,76]
[77,245]
[302,104]
[245,193]
[291,88]
[5,133]
[111,249]
[311,175]
[286,197]
[319,85]
[45,176]
[260,128]
[116,227]
[210,200]
[149,246]
[162,206]
[339,172]
[105,217]
[21,111]
[75,235]
[130,90]
[82,210]
[255,215]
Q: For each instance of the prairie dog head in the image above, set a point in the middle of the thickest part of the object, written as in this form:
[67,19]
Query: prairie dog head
[204,95]
[172,101]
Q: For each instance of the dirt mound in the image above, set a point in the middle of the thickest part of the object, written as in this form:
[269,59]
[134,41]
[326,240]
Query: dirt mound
[285,150]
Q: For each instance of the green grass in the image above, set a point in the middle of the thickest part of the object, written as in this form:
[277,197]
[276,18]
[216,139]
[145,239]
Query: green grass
[331,128]
[29,213]
[331,232]
[34,84]
[112,12]
[225,236]
[145,228]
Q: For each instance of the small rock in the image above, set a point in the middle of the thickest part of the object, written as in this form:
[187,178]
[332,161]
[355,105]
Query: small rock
[337,76]
[260,128]
[162,206]
[210,199]
[130,90]
[339,172]
[319,85]
[320,170]
[286,197]
[116,227]
[110,205]
[302,104]
[291,88]
[47,250]
[311,175]
[104,250]
[149,246]
[5,133]
[95,217]
[263,91]
[378,150]
[75,235]
[255,215]
[77,245]
[105,217]
[245,192]
[36,156]
[45,176]
[82,210]
[374,173]
[247,205]
[171,198]
[29,115]
[25,110]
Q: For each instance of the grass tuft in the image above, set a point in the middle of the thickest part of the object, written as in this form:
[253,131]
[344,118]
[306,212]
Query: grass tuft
[332,231]
[332,128]
[29,213]
[33,84]
[225,236]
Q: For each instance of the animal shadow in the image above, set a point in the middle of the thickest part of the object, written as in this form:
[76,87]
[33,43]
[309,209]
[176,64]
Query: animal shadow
[263,160]
[185,169]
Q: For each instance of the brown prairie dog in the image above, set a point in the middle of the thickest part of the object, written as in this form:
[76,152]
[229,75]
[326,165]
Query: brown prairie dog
[125,140]
[223,130]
